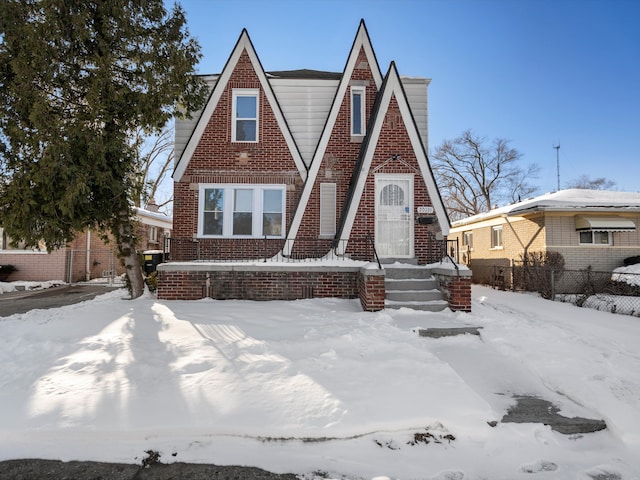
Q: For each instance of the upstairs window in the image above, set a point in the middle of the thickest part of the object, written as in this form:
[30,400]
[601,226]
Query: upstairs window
[244,127]
[357,111]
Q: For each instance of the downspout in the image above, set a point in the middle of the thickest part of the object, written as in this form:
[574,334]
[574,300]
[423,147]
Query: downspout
[87,274]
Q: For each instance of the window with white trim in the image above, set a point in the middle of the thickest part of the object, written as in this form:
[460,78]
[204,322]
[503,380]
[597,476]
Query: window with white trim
[153,234]
[592,237]
[496,237]
[244,127]
[241,211]
[467,240]
[327,209]
[357,110]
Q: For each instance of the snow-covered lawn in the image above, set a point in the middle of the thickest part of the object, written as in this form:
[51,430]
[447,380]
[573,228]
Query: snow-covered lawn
[6,287]
[319,385]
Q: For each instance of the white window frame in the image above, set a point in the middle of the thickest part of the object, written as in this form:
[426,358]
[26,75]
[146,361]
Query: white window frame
[466,236]
[327,209]
[153,234]
[592,243]
[495,245]
[227,209]
[358,90]
[244,92]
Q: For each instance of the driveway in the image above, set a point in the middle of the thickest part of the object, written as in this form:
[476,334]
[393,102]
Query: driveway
[24,301]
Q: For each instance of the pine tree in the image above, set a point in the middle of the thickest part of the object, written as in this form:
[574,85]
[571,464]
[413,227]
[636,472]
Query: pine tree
[77,78]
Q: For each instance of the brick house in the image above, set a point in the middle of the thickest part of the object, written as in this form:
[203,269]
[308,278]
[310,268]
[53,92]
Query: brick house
[590,228]
[281,168]
[87,257]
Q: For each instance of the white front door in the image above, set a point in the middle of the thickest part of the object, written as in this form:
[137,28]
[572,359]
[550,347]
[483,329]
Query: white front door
[394,215]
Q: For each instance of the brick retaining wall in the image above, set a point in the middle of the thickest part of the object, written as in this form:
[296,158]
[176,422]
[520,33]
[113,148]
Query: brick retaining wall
[456,287]
[193,281]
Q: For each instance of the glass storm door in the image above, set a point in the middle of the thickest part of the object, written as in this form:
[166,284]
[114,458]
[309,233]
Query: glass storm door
[394,213]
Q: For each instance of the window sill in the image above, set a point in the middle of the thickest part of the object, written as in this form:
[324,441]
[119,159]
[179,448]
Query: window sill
[237,237]
[496,248]
[357,138]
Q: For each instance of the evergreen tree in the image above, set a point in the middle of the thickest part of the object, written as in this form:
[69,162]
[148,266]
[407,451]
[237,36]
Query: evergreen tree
[77,78]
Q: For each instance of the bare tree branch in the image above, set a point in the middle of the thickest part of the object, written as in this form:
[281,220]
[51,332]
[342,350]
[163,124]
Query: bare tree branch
[475,176]
[154,158]
[585,182]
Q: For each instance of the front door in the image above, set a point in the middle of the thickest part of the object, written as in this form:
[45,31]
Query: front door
[394,215]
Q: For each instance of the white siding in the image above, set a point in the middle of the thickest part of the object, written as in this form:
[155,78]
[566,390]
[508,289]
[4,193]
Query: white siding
[305,104]
[416,90]
[185,127]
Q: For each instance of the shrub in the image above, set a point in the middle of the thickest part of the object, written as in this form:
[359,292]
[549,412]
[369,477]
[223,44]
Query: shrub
[6,270]
[152,281]
[631,260]
[540,270]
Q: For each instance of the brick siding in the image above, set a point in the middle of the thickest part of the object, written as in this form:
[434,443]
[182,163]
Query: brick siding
[222,282]
[456,287]
[35,266]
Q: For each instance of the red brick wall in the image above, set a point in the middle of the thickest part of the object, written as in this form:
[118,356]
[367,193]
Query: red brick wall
[394,140]
[256,285]
[372,291]
[457,289]
[340,155]
[218,160]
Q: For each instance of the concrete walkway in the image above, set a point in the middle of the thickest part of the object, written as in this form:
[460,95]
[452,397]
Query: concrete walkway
[534,402]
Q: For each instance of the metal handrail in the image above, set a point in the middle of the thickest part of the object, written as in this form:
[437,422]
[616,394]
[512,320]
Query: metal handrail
[373,246]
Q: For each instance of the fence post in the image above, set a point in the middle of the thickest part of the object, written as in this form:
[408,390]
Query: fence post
[493,278]
[552,272]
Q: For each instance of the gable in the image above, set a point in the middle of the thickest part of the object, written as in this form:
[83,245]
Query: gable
[336,152]
[391,121]
[243,66]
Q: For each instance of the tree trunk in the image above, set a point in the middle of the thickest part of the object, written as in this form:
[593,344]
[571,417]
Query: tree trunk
[129,256]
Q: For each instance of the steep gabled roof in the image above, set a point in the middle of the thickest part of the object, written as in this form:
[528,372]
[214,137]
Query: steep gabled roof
[243,44]
[361,41]
[391,88]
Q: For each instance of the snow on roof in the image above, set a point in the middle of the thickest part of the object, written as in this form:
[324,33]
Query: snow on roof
[157,219]
[573,199]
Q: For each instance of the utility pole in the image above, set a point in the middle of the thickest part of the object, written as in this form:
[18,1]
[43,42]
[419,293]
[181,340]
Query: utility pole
[557,147]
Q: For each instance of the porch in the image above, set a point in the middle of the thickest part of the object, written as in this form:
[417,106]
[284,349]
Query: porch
[194,270]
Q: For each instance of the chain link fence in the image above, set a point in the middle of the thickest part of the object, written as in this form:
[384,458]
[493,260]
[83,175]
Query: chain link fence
[607,291]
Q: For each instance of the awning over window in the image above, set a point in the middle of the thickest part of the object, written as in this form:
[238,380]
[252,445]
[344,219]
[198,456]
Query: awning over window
[604,224]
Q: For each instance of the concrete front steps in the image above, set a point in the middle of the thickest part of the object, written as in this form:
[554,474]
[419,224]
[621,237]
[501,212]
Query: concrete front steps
[412,286]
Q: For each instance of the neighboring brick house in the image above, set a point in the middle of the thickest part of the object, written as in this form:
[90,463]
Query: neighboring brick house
[301,164]
[88,256]
[590,228]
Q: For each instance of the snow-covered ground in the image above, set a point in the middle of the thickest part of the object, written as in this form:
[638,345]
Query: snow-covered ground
[6,287]
[320,386]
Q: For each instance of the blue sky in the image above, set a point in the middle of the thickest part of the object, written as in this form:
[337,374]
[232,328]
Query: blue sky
[536,72]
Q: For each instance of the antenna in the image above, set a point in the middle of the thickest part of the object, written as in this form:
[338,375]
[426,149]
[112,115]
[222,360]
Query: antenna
[557,147]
